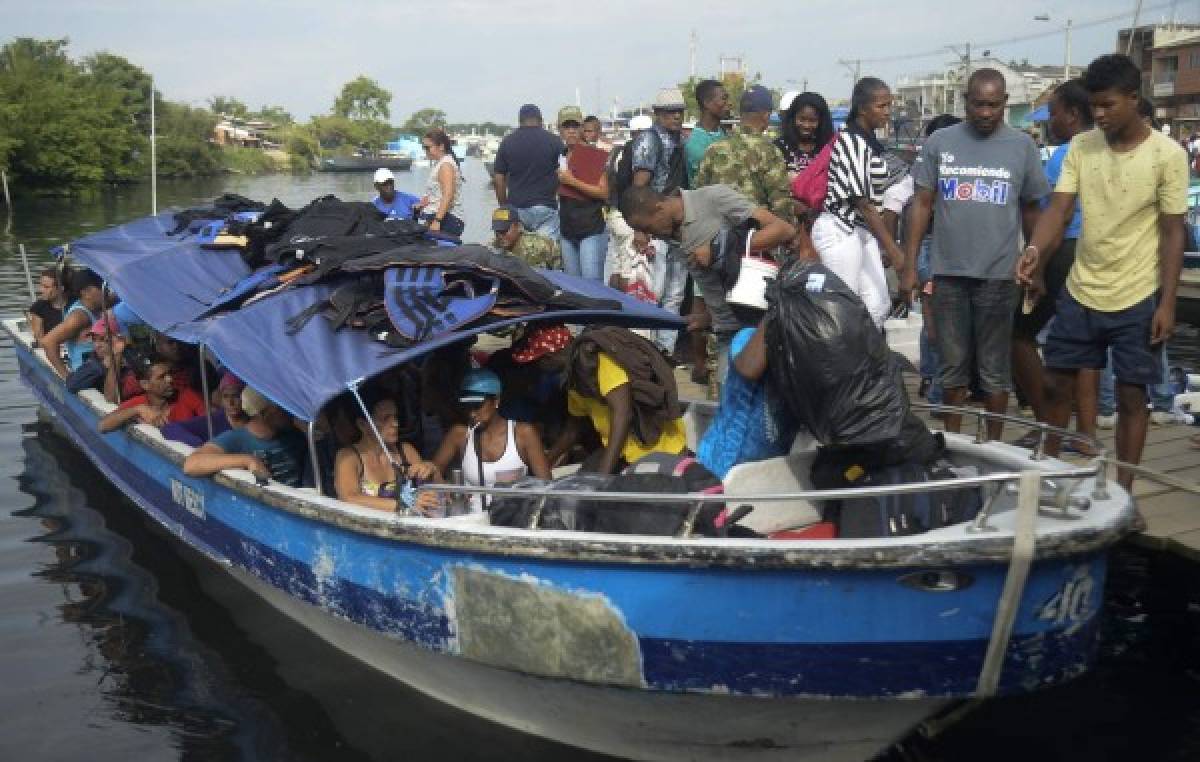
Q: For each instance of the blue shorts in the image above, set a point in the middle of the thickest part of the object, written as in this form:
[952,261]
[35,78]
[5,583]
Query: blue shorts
[1080,337]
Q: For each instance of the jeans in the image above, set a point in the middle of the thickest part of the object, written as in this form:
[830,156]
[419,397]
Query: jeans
[585,257]
[930,359]
[540,219]
[670,282]
[973,321]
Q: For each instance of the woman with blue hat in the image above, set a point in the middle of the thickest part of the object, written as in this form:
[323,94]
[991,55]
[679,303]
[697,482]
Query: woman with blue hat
[491,449]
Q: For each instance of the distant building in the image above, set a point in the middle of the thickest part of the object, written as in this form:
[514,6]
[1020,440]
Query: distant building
[1169,57]
[231,131]
[944,92]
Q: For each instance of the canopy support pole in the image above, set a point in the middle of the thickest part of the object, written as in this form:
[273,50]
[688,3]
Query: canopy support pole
[110,323]
[312,453]
[401,472]
[207,396]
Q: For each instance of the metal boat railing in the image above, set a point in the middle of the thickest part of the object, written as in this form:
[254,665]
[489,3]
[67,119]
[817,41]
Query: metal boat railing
[1061,481]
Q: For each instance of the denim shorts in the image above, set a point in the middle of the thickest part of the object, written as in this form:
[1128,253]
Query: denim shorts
[1081,337]
[973,319]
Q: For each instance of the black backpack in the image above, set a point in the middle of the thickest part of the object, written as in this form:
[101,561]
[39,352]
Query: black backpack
[620,172]
[620,168]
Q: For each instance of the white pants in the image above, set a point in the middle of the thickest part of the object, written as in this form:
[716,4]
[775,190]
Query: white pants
[854,257]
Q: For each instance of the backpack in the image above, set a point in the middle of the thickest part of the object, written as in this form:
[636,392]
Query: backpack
[810,185]
[620,170]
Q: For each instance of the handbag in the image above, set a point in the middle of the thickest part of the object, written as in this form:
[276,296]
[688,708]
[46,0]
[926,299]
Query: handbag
[810,185]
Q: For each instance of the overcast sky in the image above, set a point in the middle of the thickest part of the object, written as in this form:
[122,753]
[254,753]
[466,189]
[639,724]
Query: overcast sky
[480,60]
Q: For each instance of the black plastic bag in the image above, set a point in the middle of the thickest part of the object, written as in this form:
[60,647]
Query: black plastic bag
[829,364]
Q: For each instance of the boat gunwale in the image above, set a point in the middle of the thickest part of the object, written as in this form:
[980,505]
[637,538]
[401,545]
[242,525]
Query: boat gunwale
[752,554]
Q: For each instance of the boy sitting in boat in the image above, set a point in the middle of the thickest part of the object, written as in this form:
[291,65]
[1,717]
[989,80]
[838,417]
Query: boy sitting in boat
[78,319]
[159,401]
[267,446]
[622,383]
[98,370]
[228,415]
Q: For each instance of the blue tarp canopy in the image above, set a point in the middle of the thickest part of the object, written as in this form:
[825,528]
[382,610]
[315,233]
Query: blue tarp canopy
[169,283]
[166,280]
[1039,114]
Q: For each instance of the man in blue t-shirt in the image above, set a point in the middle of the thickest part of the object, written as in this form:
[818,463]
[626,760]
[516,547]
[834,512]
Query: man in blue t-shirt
[395,204]
[267,446]
[1070,114]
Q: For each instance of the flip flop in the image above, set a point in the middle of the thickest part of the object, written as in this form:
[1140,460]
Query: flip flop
[1194,441]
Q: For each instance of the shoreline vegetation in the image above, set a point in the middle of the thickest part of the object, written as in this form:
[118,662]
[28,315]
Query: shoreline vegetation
[69,126]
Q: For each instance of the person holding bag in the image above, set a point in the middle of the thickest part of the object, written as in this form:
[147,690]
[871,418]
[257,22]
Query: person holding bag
[806,142]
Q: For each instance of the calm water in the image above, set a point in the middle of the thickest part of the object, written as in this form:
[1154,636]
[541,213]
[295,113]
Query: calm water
[116,644]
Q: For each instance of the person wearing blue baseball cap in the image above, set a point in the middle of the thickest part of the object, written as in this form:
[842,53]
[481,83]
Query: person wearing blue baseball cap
[491,449]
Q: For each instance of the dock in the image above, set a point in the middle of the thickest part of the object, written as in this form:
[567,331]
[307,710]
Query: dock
[1172,513]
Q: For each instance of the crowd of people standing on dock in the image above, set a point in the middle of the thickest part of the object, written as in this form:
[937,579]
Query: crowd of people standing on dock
[952,225]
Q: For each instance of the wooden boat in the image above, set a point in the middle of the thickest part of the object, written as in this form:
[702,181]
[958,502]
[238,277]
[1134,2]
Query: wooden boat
[665,648]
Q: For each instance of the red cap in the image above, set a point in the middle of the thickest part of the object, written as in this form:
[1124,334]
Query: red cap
[540,342]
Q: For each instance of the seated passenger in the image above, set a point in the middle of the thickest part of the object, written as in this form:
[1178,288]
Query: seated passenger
[750,424]
[159,401]
[490,449]
[97,371]
[229,415]
[531,374]
[185,363]
[47,312]
[622,383]
[79,317]
[268,446]
[395,205]
[363,473]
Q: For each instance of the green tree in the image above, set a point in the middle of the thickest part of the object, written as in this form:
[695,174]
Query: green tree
[363,99]
[64,125]
[422,120]
[227,105]
[276,115]
[184,149]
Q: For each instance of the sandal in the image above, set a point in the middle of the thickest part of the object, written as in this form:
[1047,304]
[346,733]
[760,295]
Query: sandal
[1195,441]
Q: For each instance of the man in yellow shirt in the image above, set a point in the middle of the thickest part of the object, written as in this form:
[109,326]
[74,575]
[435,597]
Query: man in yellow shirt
[633,409]
[1131,182]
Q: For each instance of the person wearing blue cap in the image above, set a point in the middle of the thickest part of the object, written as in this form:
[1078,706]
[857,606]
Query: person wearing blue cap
[526,172]
[491,449]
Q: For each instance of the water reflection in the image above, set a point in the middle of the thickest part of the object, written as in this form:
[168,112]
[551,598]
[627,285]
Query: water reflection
[172,642]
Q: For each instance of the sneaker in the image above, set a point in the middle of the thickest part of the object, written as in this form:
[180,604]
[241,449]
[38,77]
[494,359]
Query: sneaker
[1106,421]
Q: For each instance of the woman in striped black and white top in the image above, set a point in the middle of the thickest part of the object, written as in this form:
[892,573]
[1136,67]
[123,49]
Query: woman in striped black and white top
[850,232]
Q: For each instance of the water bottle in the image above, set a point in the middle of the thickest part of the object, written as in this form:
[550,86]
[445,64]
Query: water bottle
[457,503]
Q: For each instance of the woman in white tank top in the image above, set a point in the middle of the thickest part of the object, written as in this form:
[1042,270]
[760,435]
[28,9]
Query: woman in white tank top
[491,449]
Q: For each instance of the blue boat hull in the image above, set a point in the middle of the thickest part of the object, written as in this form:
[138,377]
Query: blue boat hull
[857,640]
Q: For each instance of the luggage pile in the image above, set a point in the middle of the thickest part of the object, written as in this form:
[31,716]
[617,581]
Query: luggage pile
[395,279]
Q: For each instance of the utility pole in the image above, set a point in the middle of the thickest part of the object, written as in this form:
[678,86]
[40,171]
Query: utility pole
[1137,11]
[854,66]
[1067,64]
[692,55]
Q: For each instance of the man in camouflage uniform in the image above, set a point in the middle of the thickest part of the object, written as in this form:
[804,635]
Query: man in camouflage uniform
[535,249]
[749,161]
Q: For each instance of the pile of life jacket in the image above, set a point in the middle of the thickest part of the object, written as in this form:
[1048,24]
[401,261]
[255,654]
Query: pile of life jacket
[395,279]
